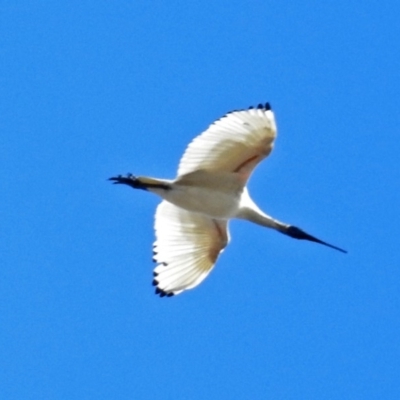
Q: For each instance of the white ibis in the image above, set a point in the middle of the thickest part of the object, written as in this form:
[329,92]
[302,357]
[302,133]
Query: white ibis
[191,223]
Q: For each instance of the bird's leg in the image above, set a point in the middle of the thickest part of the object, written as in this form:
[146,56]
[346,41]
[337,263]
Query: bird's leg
[143,183]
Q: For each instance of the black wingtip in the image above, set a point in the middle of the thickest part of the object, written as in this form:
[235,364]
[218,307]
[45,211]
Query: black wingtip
[266,106]
[159,292]
[162,293]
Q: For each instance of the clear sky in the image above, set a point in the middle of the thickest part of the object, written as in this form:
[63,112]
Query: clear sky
[91,89]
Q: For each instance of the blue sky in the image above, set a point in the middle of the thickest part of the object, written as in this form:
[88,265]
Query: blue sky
[91,89]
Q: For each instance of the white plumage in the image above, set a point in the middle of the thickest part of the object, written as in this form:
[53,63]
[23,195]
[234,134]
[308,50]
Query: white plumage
[191,223]
[186,248]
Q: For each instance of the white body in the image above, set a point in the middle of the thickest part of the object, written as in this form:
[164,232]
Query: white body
[191,223]
[210,189]
[216,195]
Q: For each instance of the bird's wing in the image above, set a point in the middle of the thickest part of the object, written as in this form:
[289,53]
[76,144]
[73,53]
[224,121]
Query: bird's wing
[186,248]
[235,143]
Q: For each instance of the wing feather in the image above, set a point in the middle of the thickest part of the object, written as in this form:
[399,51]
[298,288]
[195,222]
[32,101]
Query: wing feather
[235,143]
[186,248]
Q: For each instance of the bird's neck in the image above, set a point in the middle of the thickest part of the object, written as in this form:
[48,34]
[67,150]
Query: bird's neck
[249,211]
[259,218]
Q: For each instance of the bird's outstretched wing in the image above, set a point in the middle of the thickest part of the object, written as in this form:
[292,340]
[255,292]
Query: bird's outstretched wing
[186,248]
[235,143]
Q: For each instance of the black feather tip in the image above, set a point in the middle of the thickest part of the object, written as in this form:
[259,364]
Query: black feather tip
[161,293]
[266,107]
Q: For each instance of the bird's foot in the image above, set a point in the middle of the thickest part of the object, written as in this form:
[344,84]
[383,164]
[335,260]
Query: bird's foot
[130,180]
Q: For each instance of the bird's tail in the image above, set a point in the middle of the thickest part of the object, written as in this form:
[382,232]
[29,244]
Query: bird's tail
[140,182]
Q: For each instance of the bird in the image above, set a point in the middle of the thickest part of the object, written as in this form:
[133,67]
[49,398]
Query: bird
[191,222]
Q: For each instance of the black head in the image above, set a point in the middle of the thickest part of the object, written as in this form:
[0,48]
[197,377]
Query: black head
[297,233]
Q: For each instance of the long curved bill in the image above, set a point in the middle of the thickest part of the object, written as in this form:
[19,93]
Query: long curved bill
[314,239]
[298,233]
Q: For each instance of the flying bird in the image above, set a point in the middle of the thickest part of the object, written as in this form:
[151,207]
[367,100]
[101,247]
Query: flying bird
[191,222]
